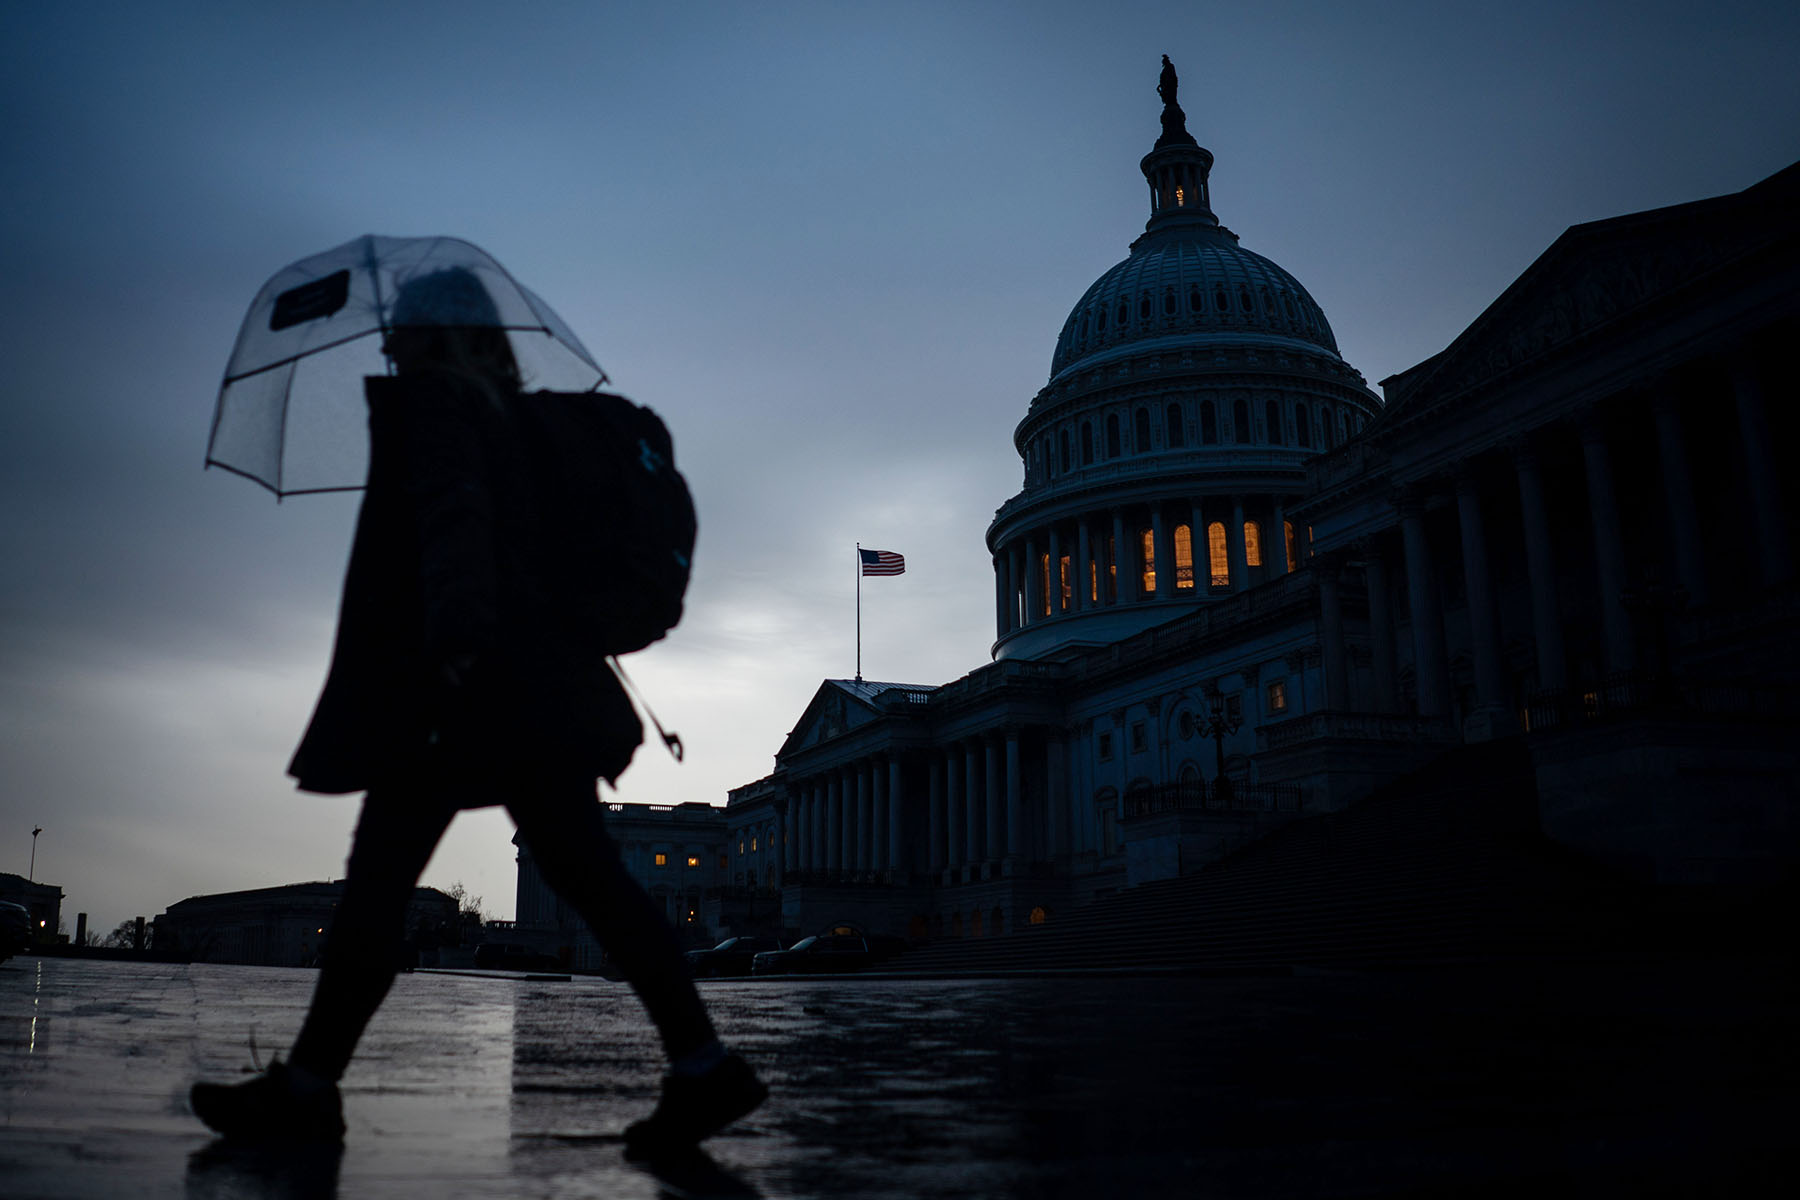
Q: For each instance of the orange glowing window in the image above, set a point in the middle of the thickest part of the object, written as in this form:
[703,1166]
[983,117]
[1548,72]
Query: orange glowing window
[1147,538]
[1218,559]
[1184,559]
[1293,551]
[1252,544]
[1068,585]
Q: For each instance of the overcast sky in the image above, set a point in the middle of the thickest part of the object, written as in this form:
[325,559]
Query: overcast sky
[832,244]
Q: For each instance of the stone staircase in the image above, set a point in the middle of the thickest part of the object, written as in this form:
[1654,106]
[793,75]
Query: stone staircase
[1444,865]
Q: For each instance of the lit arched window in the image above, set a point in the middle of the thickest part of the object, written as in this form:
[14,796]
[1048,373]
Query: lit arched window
[1252,544]
[1272,418]
[1112,435]
[1140,430]
[1039,915]
[1068,590]
[1240,421]
[1209,424]
[1218,559]
[1112,567]
[1293,553]
[1147,539]
[1172,424]
[1184,559]
[1044,581]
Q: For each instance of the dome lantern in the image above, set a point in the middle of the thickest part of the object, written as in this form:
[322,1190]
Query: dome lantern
[1177,167]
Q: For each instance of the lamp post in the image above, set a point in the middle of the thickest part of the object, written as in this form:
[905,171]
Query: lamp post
[1218,726]
[31,874]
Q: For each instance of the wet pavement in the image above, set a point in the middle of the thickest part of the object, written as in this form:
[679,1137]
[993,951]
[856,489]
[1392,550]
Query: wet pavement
[1629,1079]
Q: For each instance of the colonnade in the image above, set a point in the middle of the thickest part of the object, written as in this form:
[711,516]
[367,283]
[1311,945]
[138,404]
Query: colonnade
[1127,554]
[1476,486]
[955,810]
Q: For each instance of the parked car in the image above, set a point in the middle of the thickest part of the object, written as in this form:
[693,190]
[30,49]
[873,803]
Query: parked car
[828,954]
[509,956]
[15,928]
[730,957]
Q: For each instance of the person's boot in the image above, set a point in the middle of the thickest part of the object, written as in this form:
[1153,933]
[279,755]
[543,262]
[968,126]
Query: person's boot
[694,1107]
[273,1107]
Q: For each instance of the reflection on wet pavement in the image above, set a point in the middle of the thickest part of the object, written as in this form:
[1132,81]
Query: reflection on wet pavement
[1630,1078]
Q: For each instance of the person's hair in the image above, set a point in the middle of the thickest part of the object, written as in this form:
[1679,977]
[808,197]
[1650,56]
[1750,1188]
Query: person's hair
[453,325]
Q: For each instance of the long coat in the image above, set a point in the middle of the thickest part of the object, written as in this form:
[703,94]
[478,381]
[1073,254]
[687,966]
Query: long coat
[448,564]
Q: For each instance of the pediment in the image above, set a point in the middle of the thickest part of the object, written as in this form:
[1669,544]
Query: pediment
[832,712]
[1595,276]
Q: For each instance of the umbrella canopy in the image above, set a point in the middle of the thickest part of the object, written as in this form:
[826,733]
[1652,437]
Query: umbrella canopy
[290,412]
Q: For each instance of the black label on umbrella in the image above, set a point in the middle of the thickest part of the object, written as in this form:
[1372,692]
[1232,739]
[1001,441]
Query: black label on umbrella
[310,301]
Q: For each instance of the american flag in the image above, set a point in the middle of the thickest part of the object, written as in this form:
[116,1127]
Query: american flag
[882,562]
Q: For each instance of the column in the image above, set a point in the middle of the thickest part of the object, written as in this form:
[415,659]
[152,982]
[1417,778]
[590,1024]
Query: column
[1774,557]
[878,825]
[1117,558]
[1381,631]
[1015,817]
[955,848]
[1540,565]
[1234,538]
[1491,718]
[1275,559]
[820,812]
[994,800]
[1014,581]
[1609,548]
[1201,547]
[1034,575]
[972,801]
[1056,789]
[1331,615]
[1000,623]
[1056,591]
[790,836]
[1084,552]
[1164,551]
[1427,619]
[936,828]
[896,823]
[834,823]
[1678,494]
[862,824]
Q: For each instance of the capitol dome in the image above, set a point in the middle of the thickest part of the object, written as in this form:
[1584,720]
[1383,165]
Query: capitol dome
[1188,388]
[1184,281]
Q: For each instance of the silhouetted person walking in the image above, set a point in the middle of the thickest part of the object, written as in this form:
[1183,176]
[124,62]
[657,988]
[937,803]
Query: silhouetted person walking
[449,689]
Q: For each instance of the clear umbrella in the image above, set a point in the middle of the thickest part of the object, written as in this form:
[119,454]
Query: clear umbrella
[291,413]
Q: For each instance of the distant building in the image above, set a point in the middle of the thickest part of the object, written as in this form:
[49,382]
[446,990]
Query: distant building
[42,900]
[282,926]
[676,852]
[1236,585]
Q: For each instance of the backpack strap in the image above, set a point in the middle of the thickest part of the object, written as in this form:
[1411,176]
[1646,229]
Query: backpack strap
[670,740]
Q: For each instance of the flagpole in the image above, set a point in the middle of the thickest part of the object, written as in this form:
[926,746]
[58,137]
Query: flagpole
[859,612]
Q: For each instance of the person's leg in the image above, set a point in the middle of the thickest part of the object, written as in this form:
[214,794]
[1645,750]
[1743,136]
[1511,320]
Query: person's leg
[299,1099]
[394,840]
[706,1088]
[561,825]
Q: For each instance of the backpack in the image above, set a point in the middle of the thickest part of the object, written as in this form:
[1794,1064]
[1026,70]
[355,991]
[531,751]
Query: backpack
[616,514]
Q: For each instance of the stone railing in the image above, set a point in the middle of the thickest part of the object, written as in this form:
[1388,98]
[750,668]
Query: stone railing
[1353,726]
